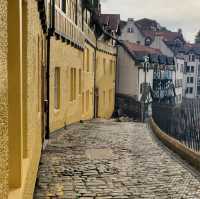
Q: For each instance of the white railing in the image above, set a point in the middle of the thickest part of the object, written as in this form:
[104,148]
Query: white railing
[106,47]
[89,34]
[67,28]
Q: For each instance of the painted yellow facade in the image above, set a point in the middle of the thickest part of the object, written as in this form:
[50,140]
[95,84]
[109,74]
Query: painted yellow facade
[105,80]
[78,68]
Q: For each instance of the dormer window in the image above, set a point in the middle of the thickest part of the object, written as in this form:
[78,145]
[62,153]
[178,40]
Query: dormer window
[147,42]
[130,30]
[64,6]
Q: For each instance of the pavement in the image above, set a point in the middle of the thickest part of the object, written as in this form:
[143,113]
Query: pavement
[104,159]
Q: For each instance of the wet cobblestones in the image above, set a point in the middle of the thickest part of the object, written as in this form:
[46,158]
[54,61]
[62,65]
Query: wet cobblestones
[109,160]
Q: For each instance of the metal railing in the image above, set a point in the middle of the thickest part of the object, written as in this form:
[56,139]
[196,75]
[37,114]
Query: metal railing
[181,122]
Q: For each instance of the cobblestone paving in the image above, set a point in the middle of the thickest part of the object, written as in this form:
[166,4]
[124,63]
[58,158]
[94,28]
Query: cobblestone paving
[108,160]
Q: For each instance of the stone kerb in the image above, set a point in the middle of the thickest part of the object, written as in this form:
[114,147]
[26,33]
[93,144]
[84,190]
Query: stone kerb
[193,158]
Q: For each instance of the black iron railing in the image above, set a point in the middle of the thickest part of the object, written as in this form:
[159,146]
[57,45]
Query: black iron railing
[181,122]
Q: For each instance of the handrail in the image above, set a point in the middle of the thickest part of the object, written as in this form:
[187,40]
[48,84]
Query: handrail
[106,47]
[66,28]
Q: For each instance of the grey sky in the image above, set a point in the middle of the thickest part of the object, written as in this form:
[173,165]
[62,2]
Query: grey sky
[173,14]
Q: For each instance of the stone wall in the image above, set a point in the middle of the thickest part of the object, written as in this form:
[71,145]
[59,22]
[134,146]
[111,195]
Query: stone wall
[128,106]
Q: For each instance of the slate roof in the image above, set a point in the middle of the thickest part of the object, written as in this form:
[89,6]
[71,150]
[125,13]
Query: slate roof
[111,20]
[190,48]
[147,24]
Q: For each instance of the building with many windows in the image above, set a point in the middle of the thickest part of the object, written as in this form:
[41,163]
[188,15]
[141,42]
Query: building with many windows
[191,71]
[48,78]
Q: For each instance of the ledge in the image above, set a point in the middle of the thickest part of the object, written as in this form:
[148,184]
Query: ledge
[193,158]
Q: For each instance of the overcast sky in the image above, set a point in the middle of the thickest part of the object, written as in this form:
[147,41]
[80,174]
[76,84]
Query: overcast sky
[173,14]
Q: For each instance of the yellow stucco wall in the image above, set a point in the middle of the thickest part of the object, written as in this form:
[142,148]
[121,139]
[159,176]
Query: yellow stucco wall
[3,102]
[32,38]
[65,57]
[88,83]
[105,83]
[33,108]
[72,108]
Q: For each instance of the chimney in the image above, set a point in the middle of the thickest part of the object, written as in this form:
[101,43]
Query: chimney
[180,31]
[131,19]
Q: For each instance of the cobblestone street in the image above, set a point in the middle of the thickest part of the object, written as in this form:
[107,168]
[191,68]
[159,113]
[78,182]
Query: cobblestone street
[110,160]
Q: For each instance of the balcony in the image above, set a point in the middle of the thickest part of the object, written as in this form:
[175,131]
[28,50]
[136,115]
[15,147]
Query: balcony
[67,28]
[105,47]
[89,34]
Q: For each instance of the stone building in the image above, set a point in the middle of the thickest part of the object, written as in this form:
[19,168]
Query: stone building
[48,78]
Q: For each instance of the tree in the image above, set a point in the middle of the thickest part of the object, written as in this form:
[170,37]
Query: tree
[197,38]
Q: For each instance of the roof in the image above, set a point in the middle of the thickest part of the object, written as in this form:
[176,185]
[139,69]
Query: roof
[139,51]
[147,24]
[111,20]
[170,36]
[190,48]
[133,47]
[122,24]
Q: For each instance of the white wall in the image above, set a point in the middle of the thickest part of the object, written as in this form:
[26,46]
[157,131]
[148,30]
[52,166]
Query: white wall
[127,74]
[133,37]
[178,76]
[130,76]
[194,74]
[158,43]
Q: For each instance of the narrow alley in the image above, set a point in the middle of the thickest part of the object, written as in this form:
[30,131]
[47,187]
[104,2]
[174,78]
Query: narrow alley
[105,159]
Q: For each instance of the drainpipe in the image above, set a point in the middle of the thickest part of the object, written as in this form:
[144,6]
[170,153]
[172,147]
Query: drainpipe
[49,35]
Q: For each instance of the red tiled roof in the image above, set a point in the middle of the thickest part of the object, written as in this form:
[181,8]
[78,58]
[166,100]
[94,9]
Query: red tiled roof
[112,20]
[168,36]
[134,48]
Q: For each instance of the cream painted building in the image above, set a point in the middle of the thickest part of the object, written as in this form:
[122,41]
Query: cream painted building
[134,80]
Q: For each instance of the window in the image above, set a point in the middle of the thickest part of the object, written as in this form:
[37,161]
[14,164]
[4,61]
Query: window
[198,90]
[182,67]
[177,67]
[190,79]
[57,88]
[147,42]
[130,30]
[111,67]
[80,81]
[198,70]
[64,6]
[141,88]
[104,66]
[190,90]
[104,98]
[88,60]
[87,100]
[110,96]
[192,69]
[193,58]
[83,102]
[187,69]
[73,84]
